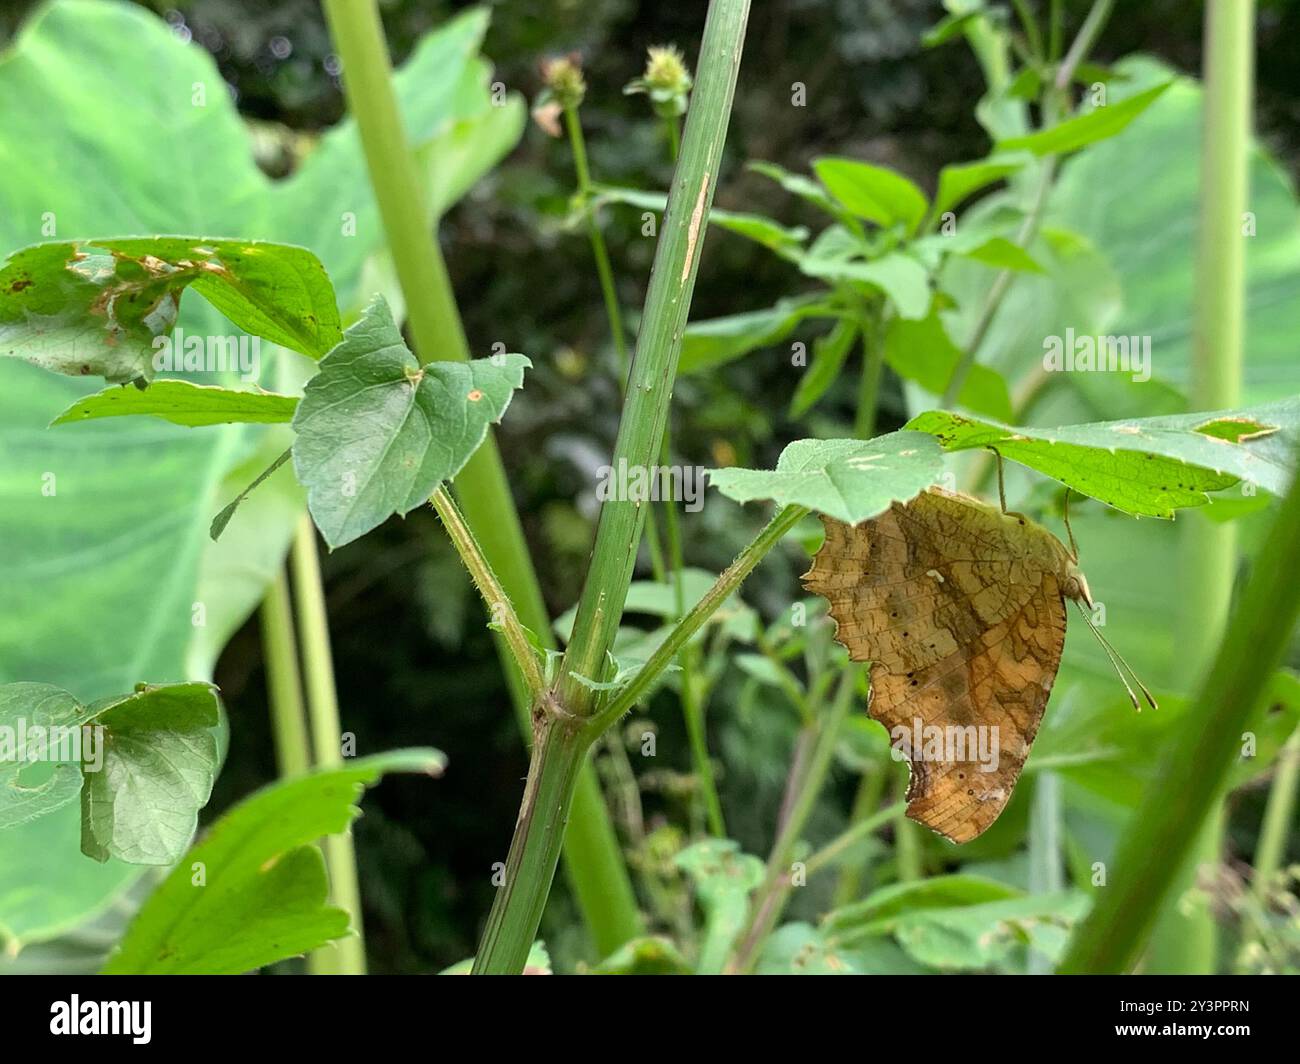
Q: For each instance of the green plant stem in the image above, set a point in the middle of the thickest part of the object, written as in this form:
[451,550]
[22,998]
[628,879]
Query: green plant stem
[494,595]
[770,900]
[594,862]
[327,743]
[693,693]
[1033,36]
[1054,103]
[599,251]
[518,907]
[998,290]
[907,842]
[283,681]
[1279,816]
[730,579]
[559,752]
[1185,940]
[871,789]
[1187,786]
[852,835]
[873,364]
[654,367]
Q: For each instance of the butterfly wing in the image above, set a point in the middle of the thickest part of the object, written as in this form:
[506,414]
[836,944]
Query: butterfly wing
[964,627]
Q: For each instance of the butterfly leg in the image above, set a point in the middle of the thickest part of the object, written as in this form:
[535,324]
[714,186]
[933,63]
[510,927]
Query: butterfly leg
[1002,490]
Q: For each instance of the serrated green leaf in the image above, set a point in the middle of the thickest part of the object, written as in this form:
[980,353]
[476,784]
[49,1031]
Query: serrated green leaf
[850,480]
[1088,128]
[101,307]
[1145,466]
[880,911]
[872,192]
[254,891]
[160,757]
[378,432]
[183,403]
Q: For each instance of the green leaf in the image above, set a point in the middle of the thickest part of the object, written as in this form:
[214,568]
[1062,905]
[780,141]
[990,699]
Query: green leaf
[880,911]
[872,192]
[709,344]
[993,935]
[183,403]
[922,351]
[850,480]
[1001,253]
[950,26]
[143,765]
[801,949]
[23,707]
[254,891]
[898,275]
[960,181]
[829,353]
[378,432]
[1145,466]
[74,520]
[796,184]
[103,307]
[723,877]
[224,515]
[1088,128]
[160,757]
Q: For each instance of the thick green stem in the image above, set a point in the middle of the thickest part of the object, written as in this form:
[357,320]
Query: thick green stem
[283,681]
[1185,939]
[654,367]
[1187,786]
[327,744]
[559,752]
[594,862]
[518,907]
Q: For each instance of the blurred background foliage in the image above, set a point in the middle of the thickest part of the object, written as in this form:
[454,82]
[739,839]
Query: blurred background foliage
[414,661]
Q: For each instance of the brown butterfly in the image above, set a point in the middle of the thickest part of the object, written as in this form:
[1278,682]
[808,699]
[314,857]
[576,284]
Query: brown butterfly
[960,608]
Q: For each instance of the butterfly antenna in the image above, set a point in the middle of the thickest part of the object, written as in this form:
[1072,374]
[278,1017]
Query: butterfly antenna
[1120,665]
[1074,547]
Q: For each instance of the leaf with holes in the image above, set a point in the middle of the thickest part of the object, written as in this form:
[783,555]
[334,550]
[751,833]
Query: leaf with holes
[1145,466]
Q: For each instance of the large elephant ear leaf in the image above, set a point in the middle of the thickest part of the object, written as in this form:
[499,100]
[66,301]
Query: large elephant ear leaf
[170,154]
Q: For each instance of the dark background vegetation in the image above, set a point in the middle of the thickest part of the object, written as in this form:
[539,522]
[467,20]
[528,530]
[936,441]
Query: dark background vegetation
[415,664]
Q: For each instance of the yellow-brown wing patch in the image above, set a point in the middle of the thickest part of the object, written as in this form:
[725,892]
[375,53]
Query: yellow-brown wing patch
[964,624]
